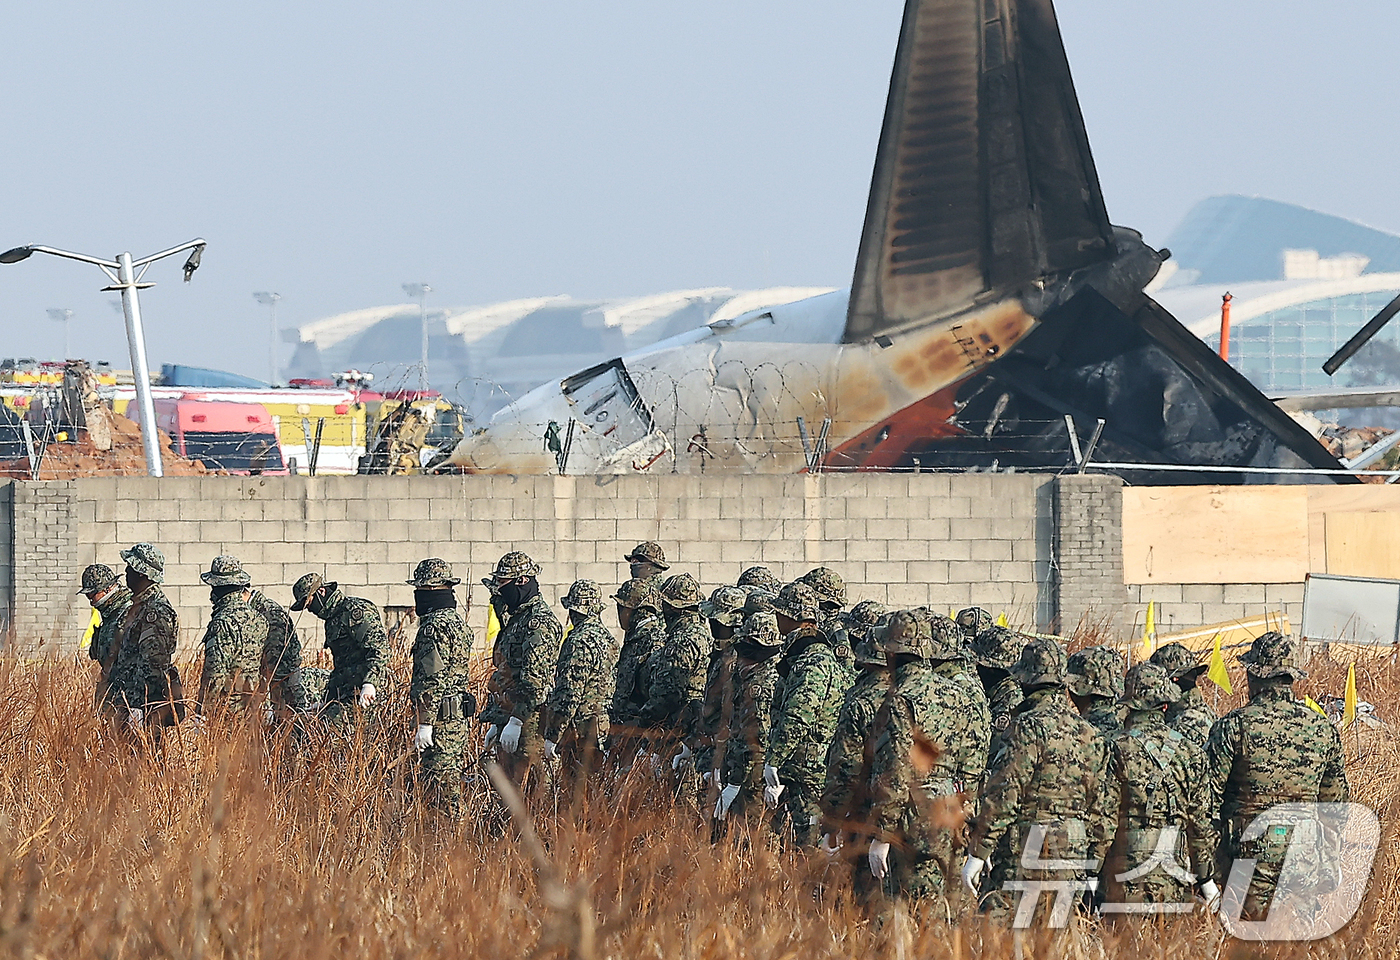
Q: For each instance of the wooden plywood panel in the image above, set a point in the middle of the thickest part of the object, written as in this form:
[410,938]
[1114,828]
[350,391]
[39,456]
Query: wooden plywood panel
[1215,534]
[1363,543]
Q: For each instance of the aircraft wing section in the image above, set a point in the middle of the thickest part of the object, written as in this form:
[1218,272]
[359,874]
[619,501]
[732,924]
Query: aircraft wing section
[983,180]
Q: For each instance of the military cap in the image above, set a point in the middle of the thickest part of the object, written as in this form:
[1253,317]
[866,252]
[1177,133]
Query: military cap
[304,588]
[945,638]
[681,592]
[648,552]
[433,572]
[974,620]
[1178,661]
[904,633]
[1042,662]
[639,593]
[515,565]
[797,601]
[584,597]
[761,629]
[760,578]
[827,584]
[1273,655]
[96,578]
[759,600]
[1148,687]
[868,653]
[146,560]
[1095,672]
[726,606]
[862,617]
[226,570]
[996,647]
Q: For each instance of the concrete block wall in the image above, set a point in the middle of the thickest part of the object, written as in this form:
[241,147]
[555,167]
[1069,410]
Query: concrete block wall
[1184,606]
[1089,551]
[44,560]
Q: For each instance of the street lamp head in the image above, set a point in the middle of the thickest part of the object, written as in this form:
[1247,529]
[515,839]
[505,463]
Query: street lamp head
[417,289]
[192,264]
[58,313]
[266,298]
[16,254]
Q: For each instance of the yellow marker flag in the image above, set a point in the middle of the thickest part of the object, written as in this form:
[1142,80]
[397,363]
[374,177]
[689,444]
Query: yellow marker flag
[1149,630]
[1349,707]
[1217,673]
[493,623]
[1002,621]
[1309,701]
[93,624]
[568,627]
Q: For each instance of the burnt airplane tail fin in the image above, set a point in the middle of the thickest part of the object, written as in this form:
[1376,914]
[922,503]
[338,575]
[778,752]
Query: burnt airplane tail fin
[983,181]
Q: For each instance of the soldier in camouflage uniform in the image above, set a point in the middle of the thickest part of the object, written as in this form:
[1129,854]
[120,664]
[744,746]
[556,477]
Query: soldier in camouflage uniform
[111,599]
[150,684]
[643,634]
[725,612]
[972,621]
[948,661]
[741,750]
[814,684]
[1190,716]
[831,600]
[1095,680]
[356,639]
[994,651]
[677,678]
[1163,800]
[861,619]
[1049,777]
[1273,750]
[526,656]
[918,812]
[281,658]
[233,642]
[760,578]
[648,562]
[576,711]
[442,705]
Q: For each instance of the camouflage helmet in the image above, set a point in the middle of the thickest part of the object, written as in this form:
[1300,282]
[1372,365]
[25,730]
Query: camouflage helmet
[759,600]
[760,629]
[996,647]
[515,565]
[1148,686]
[946,638]
[147,560]
[1042,663]
[726,606]
[226,570]
[304,588]
[1178,661]
[1096,672]
[827,584]
[96,578]
[433,572]
[649,552]
[640,593]
[681,592]
[904,633]
[1273,655]
[862,617]
[797,601]
[973,620]
[869,653]
[760,578]
[584,596]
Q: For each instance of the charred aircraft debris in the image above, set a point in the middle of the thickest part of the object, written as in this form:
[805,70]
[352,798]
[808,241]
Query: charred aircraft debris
[996,319]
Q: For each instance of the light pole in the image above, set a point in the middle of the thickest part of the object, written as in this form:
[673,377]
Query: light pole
[62,316]
[421,291]
[126,280]
[270,300]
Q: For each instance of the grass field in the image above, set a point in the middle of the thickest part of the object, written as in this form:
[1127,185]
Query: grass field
[228,846]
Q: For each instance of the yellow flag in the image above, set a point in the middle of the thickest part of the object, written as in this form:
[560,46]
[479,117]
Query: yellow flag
[1349,707]
[93,624]
[1217,673]
[1002,621]
[568,627]
[493,623]
[1313,703]
[1149,630]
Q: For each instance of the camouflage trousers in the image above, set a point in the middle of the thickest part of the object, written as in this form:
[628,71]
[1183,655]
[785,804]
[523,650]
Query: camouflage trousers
[1135,874]
[440,767]
[799,810]
[1312,869]
[528,755]
[287,695]
[1063,840]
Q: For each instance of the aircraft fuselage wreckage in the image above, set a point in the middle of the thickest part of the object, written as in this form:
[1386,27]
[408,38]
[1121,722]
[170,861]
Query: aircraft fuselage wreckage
[993,306]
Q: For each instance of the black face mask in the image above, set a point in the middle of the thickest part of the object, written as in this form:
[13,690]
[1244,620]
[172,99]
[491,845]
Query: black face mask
[426,601]
[133,579]
[218,593]
[317,606]
[516,595]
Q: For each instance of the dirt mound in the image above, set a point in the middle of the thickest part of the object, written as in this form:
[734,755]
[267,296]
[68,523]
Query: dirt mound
[81,457]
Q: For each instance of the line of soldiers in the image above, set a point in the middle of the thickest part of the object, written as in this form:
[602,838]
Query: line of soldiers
[942,757]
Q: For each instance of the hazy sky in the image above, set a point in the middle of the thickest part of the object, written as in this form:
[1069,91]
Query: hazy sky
[332,151]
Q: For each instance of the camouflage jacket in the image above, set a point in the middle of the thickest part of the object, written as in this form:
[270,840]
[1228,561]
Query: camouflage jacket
[677,674]
[974,765]
[149,632]
[804,717]
[525,656]
[1192,717]
[233,648]
[752,690]
[1104,715]
[281,654]
[583,681]
[834,626]
[646,634]
[937,708]
[104,646]
[1273,750]
[1051,768]
[846,791]
[1002,701]
[358,644]
[1159,779]
[713,704]
[442,649]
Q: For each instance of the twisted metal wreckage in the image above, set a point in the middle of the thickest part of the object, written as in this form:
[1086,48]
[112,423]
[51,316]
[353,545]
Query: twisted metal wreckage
[995,317]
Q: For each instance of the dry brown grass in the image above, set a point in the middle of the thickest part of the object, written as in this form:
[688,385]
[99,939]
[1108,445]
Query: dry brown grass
[236,848]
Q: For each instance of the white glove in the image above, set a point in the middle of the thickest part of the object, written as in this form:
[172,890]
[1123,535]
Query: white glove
[727,796]
[1211,894]
[492,734]
[879,859]
[510,736]
[551,750]
[829,847]
[707,779]
[972,873]
[134,718]
[679,759]
[423,739]
[774,788]
[367,694]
